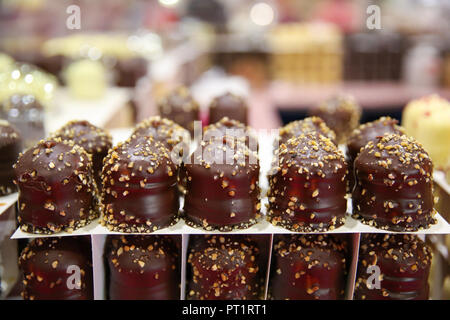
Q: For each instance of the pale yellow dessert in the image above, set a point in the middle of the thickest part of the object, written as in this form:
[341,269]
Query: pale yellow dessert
[86,79]
[428,120]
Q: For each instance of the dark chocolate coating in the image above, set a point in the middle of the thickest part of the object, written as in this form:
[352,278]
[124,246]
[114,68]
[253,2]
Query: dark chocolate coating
[143,267]
[10,147]
[174,137]
[404,262]
[222,191]
[308,125]
[228,105]
[140,191]
[180,107]
[94,141]
[130,70]
[231,128]
[308,267]
[56,185]
[223,267]
[365,133]
[341,114]
[308,185]
[49,267]
[394,185]
[27,115]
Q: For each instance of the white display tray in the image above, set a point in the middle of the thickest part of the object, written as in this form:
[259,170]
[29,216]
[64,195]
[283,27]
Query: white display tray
[97,111]
[262,227]
[99,268]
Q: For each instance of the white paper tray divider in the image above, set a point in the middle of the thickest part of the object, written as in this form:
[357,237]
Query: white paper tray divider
[98,266]
[184,253]
[350,289]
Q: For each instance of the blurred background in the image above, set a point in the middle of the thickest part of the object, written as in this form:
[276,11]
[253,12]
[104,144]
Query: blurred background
[283,56]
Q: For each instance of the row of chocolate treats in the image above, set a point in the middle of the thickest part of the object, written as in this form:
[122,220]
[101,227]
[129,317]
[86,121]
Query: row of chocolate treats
[427,119]
[388,174]
[139,190]
[229,267]
[67,179]
[141,182]
[308,182]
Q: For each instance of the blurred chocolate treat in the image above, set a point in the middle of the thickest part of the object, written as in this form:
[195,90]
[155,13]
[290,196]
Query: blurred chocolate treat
[223,267]
[94,141]
[10,147]
[394,185]
[232,128]
[130,70]
[341,113]
[170,134]
[365,133]
[56,186]
[51,64]
[308,267]
[27,115]
[307,185]
[313,125]
[403,261]
[140,191]
[57,269]
[222,190]
[143,267]
[179,106]
[228,105]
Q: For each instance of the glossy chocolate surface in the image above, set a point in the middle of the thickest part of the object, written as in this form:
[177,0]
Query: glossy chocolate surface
[180,107]
[143,267]
[10,147]
[57,269]
[308,267]
[307,185]
[394,189]
[231,128]
[140,191]
[228,105]
[404,262]
[308,125]
[56,186]
[174,137]
[341,114]
[222,189]
[223,267]
[94,141]
[365,133]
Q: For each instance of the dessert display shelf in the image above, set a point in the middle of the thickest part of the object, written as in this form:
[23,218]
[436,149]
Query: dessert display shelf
[266,243]
[262,227]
